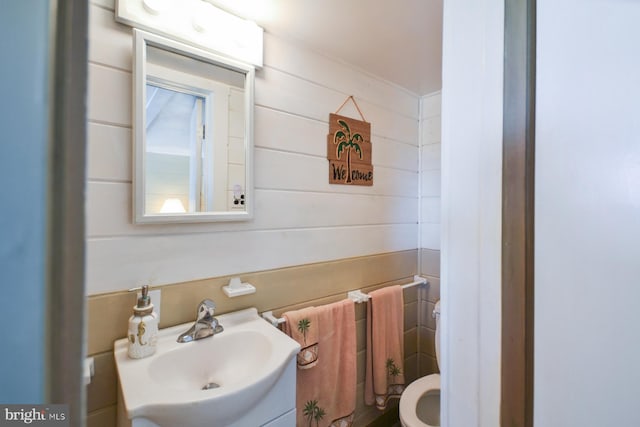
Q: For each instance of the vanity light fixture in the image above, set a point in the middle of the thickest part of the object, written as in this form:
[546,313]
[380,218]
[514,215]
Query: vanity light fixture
[155,7]
[196,22]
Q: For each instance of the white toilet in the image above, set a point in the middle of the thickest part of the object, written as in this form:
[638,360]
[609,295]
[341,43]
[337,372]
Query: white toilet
[420,401]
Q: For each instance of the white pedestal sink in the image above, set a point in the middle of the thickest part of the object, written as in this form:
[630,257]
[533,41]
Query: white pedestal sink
[243,376]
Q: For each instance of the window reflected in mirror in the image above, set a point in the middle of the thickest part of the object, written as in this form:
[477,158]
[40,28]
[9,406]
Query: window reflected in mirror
[174,151]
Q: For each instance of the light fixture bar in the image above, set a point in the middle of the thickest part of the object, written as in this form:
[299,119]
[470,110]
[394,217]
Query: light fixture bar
[198,23]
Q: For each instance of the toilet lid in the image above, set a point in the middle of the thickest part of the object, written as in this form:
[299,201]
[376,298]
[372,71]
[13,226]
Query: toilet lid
[410,397]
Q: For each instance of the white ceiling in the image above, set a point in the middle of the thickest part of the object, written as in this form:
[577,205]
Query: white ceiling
[398,40]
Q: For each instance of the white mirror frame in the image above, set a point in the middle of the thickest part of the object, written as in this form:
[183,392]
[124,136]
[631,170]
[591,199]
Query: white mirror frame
[141,40]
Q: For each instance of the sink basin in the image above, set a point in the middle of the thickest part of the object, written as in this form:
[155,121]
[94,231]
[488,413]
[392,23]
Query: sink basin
[214,381]
[226,360]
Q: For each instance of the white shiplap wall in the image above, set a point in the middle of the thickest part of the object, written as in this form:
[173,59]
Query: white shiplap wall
[299,217]
[430,169]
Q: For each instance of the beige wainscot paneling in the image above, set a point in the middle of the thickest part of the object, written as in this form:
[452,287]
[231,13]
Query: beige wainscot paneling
[279,290]
[102,391]
[428,296]
[428,365]
[105,417]
[432,292]
[430,262]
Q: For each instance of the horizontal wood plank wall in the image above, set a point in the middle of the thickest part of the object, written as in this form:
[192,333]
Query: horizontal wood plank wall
[430,170]
[279,290]
[299,217]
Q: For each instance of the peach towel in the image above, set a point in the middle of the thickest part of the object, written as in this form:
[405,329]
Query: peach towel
[326,394]
[384,370]
[302,326]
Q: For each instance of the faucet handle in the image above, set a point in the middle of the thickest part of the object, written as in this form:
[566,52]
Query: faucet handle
[206,310]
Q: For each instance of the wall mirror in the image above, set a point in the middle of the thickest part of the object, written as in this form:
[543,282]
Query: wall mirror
[193,134]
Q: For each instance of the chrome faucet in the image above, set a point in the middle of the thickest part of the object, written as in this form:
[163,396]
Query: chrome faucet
[206,325]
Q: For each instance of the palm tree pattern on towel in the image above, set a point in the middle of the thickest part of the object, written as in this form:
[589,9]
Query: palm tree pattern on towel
[308,355]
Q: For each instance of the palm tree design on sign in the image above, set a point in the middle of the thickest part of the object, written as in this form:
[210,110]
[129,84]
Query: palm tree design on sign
[313,412]
[303,328]
[346,141]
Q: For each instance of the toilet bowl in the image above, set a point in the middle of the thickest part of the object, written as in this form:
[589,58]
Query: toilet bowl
[420,401]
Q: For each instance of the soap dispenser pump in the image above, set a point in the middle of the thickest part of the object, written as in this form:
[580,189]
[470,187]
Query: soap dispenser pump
[143,327]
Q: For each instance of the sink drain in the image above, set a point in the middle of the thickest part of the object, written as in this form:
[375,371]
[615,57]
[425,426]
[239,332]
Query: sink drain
[210,386]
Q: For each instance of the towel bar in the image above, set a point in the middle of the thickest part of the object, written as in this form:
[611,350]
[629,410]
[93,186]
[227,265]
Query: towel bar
[269,317]
[417,280]
[356,296]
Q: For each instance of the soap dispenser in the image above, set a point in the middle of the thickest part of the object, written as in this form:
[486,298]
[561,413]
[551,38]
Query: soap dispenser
[143,327]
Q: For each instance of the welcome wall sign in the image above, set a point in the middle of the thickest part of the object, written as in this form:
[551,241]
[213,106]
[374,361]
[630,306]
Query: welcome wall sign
[349,150]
